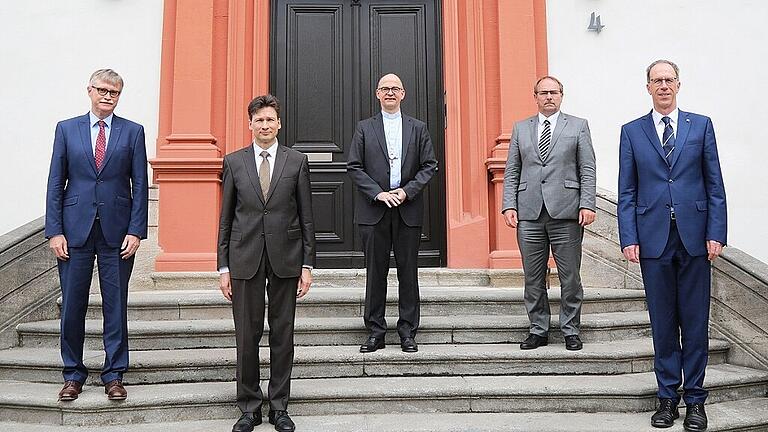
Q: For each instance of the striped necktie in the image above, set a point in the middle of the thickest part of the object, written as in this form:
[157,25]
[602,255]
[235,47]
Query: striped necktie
[546,136]
[668,139]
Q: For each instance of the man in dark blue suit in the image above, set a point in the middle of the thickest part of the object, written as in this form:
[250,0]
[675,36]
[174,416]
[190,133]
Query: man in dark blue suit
[96,207]
[672,220]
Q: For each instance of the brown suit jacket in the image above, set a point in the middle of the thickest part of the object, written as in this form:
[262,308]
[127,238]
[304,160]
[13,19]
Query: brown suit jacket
[280,225]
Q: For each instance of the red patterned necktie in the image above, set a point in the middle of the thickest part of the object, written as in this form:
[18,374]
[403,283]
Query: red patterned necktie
[101,145]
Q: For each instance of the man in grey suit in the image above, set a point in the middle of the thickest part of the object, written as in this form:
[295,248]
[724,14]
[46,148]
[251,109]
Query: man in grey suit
[549,196]
[266,241]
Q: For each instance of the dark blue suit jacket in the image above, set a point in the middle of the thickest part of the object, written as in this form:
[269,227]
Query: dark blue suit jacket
[648,187]
[77,192]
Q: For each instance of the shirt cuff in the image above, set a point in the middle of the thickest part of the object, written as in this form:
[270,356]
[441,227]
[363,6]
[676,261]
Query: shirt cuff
[223,270]
[308,267]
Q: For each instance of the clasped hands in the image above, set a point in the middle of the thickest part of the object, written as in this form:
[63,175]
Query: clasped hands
[392,198]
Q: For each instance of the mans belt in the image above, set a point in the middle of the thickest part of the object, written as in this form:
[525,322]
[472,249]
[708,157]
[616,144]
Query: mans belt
[672,213]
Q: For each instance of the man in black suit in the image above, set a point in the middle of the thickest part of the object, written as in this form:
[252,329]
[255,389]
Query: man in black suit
[391,159]
[266,239]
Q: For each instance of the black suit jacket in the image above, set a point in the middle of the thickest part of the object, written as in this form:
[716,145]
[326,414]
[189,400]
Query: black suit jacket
[368,166]
[282,224]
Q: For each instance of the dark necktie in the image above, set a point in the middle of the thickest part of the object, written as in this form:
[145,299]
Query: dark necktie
[101,145]
[668,139]
[264,173]
[546,136]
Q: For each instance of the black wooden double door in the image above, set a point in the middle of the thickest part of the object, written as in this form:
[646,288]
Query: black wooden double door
[326,59]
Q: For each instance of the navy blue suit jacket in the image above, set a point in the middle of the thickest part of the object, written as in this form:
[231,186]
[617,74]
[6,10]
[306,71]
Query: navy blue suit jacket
[648,186]
[77,192]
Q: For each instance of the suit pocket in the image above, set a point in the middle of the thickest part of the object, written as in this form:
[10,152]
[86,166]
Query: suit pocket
[70,201]
[702,205]
[123,202]
[641,210]
[572,184]
[235,235]
[294,233]
[522,186]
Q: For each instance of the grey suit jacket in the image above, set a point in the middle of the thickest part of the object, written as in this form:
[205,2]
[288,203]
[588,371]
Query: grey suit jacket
[280,224]
[564,182]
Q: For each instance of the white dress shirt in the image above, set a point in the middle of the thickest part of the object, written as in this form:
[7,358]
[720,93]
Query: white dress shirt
[393,131]
[94,122]
[659,123]
[272,150]
[552,123]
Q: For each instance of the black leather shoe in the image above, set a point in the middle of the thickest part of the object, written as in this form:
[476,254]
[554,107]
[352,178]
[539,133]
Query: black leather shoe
[666,414]
[409,345]
[573,343]
[372,344]
[695,417]
[247,422]
[534,341]
[282,421]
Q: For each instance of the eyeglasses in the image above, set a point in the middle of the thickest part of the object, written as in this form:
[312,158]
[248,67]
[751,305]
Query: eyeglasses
[386,90]
[548,92]
[660,81]
[103,92]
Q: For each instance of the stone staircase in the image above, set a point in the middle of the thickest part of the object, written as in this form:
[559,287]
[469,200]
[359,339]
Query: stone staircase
[469,374]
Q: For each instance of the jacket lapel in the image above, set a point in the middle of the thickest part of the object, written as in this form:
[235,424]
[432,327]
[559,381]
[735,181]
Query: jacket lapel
[406,144]
[249,159]
[533,123]
[280,157]
[683,126]
[561,123]
[114,137]
[378,127]
[653,138]
[85,139]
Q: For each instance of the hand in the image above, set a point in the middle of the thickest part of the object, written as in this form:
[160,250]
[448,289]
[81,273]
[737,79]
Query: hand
[510,218]
[304,282]
[400,194]
[225,285]
[714,248]
[130,246]
[388,198]
[632,253]
[58,245]
[586,217]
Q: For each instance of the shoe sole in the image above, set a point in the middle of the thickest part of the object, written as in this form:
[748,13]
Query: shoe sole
[574,348]
[694,429]
[117,398]
[533,347]
[370,351]
[67,398]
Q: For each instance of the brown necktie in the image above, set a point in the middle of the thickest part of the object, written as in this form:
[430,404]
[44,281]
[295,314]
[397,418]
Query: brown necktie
[264,173]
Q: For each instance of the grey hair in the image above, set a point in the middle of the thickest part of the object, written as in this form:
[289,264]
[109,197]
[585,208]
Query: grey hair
[660,61]
[106,75]
[559,84]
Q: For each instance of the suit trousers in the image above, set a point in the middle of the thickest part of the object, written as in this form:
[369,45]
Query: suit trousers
[248,306]
[391,233]
[75,275]
[535,238]
[677,290]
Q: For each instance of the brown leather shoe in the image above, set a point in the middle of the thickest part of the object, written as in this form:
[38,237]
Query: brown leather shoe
[115,390]
[70,391]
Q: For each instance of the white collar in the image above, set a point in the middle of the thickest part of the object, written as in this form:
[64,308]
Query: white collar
[552,119]
[389,116]
[657,116]
[93,119]
[272,150]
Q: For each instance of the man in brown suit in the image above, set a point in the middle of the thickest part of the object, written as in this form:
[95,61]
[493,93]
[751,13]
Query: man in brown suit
[266,240]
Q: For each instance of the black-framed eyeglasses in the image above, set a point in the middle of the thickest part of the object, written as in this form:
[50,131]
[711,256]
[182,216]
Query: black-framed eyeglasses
[660,81]
[548,92]
[386,90]
[103,92]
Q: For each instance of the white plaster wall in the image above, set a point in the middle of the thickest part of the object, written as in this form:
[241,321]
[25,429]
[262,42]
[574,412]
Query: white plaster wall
[722,53]
[48,50]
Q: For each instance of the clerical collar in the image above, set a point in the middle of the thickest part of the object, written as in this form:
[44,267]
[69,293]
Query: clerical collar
[389,116]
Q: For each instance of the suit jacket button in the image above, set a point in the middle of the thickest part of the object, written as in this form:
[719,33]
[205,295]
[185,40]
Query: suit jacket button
[266,211]
[671,181]
[543,181]
[544,165]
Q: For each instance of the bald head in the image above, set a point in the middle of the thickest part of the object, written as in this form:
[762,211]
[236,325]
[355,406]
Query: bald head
[390,93]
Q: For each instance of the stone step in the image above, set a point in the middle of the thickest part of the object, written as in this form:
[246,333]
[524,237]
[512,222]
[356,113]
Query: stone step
[349,302]
[22,402]
[151,335]
[356,278]
[218,364]
[732,416]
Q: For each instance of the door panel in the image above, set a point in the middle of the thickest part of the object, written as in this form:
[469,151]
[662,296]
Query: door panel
[326,59]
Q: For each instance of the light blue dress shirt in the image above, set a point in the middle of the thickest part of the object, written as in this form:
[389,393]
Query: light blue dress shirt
[393,131]
[94,122]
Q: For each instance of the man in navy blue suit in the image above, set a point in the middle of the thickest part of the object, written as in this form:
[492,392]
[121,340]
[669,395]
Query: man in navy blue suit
[672,220]
[96,207]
